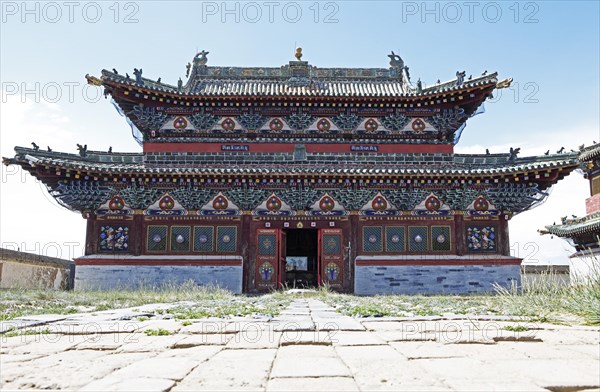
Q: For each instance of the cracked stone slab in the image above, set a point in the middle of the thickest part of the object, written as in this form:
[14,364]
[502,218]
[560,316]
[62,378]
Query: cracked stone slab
[169,325]
[247,326]
[290,338]
[142,343]
[326,314]
[14,324]
[259,339]
[383,368]
[58,371]
[322,361]
[295,312]
[204,327]
[428,350]
[96,327]
[172,368]
[197,353]
[406,336]
[304,324]
[130,384]
[330,384]
[346,338]
[203,340]
[231,369]
[337,324]
[46,344]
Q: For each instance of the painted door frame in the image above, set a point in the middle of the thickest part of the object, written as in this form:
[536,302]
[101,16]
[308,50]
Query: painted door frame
[330,263]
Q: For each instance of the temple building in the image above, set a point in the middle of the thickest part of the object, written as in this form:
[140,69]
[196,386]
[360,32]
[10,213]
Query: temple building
[259,178]
[583,233]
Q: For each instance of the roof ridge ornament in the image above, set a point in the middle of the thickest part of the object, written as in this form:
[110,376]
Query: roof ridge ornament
[395,60]
[504,83]
[298,54]
[200,58]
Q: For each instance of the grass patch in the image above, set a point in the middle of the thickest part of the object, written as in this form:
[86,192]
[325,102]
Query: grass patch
[515,328]
[545,300]
[268,305]
[542,300]
[199,301]
[26,332]
[15,303]
[158,332]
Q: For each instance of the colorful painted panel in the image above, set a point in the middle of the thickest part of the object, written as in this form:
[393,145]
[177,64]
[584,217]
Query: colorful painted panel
[226,239]
[273,205]
[326,205]
[332,244]
[203,239]
[332,271]
[156,240]
[372,239]
[166,205]
[180,238]
[266,271]
[480,207]
[267,244]
[440,238]
[394,239]
[417,239]
[113,239]
[481,239]
[219,205]
[379,205]
[114,206]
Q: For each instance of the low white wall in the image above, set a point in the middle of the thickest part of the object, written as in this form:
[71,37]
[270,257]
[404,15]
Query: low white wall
[585,268]
[14,274]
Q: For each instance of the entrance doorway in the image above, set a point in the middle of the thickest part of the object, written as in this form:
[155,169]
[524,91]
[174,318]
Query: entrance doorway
[302,258]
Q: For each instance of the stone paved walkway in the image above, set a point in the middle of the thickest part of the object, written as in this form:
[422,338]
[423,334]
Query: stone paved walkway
[307,347]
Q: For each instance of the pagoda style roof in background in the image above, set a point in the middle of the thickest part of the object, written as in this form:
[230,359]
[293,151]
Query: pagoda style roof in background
[590,153]
[576,226]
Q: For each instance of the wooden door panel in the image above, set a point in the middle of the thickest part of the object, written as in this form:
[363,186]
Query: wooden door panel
[267,259]
[331,257]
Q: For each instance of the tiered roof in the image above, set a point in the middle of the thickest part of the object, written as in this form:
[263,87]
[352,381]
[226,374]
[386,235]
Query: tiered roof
[298,90]
[449,165]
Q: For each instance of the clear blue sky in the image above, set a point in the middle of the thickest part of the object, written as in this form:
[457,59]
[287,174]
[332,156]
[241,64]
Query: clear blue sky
[550,48]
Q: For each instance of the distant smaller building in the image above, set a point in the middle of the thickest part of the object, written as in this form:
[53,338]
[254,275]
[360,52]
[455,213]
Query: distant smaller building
[584,233]
[30,271]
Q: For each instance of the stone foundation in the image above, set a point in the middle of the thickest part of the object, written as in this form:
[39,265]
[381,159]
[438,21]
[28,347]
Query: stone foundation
[394,277]
[93,273]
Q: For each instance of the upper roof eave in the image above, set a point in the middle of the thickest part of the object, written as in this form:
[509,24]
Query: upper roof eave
[451,87]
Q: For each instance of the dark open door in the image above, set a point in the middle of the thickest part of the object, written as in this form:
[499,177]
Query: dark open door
[331,257]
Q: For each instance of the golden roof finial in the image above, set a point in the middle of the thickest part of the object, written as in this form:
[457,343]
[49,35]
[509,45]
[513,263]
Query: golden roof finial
[298,53]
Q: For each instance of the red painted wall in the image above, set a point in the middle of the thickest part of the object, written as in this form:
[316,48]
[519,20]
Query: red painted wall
[310,148]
